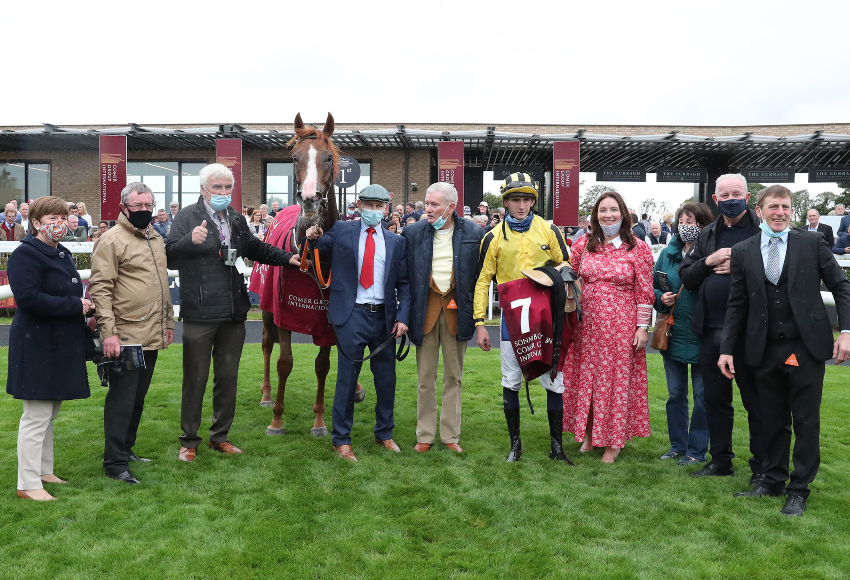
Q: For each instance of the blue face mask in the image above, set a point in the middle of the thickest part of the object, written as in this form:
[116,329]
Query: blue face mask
[732,208]
[219,202]
[372,216]
[440,221]
[766,229]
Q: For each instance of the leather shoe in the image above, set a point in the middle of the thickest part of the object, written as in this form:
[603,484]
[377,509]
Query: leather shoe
[126,477]
[795,505]
[713,469]
[756,480]
[187,454]
[23,495]
[454,447]
[134,457]
[760,491]
[688,460]
[389,444]
[225,447]
[422,447]
[345,452]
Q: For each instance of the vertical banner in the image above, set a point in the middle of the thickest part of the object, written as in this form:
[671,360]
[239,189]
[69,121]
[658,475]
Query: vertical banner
[228,152]
[113,174]
[565,180]
[450,167]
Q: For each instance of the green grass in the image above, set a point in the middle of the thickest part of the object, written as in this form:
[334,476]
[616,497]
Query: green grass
[289,508]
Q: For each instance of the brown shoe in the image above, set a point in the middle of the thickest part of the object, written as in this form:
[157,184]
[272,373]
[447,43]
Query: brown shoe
[422,447]
[345,452]
[225,447]
[389,444]
[454,447]
[187,454]
[37,495]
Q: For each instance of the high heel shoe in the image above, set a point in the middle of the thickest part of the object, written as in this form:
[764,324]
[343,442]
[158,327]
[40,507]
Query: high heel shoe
[24,495]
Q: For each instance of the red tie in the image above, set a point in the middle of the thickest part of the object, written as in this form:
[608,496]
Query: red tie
[367,273]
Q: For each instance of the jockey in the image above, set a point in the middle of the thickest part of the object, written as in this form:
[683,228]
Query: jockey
[523,241]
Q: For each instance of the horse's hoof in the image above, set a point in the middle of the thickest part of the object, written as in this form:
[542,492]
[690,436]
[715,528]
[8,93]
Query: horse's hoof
[270,431]
[360,396]
[319,431]
[267,403]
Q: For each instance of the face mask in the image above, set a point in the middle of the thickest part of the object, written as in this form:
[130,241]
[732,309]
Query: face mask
[732,208]
[351,212]
[440,221]
[612,230]
[55,231]
[139,219]
[688,233]
[372,216]
[219,202]
[766,229]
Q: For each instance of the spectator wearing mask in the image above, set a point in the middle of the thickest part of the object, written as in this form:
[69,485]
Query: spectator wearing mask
[350,212]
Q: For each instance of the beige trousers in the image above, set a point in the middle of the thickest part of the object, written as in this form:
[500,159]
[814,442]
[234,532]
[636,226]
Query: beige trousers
[35,442]
[427,360]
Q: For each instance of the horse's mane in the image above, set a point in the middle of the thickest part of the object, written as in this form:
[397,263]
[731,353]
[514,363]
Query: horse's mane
[311,131]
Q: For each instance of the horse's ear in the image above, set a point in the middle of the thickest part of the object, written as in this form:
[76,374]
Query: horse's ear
[299,124]
[329,126]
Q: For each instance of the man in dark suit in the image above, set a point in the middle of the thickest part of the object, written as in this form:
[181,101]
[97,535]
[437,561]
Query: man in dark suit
[813,217]
[369,303]
[776,278]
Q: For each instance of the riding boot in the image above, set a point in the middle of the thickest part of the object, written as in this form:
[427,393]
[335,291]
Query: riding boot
[556,434]
[512,417]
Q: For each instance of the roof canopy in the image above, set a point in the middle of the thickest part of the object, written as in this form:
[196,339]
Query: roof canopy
[482,148]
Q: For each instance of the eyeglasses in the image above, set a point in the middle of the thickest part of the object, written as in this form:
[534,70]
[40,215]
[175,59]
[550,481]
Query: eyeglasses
[219,187]
[141,206]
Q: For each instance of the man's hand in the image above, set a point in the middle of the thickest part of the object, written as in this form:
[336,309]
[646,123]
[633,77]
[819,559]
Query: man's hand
[847,250]
[199,234]
[482,337]
[169,336]
[727,365]
[399,328]
[841,350]
[640,340]
[718,257]
[314,232]
[295,260]
[112,346]
[239,228]
[668,298]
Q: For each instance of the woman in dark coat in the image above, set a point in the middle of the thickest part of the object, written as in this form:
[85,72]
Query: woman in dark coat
[46,342]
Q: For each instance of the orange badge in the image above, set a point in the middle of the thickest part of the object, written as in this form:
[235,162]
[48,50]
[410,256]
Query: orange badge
[451,305]
[792,360]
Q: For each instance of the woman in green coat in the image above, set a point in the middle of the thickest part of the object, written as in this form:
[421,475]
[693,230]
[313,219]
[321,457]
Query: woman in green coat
[687,442]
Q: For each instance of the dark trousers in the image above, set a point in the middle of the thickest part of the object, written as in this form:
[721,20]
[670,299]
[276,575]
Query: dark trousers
[720,414]
[790,394]
[122,411]
[363,329]
[221,341]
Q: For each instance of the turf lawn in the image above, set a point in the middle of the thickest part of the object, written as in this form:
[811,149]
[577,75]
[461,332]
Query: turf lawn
[289,508]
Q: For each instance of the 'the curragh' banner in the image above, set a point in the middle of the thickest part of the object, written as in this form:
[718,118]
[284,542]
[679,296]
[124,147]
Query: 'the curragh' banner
[565,181]
[450,167]
[113,174]
[228,152]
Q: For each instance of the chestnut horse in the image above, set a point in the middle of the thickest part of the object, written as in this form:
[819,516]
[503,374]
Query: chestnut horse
[316,162]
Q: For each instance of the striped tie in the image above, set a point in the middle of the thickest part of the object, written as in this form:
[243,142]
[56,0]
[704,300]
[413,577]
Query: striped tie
[772,270]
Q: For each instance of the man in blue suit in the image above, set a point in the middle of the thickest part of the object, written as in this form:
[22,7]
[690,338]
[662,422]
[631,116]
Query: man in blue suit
[369,302]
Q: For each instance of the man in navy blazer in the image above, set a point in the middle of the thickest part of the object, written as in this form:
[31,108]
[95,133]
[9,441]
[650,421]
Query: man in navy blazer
[369,302]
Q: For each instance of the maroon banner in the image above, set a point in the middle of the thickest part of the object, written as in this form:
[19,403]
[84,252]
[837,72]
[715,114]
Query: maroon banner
[450,167]
[113,174]
[228,152]
[565,193]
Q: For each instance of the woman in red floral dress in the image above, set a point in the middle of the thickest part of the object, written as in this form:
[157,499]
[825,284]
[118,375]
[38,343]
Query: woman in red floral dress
[605,400]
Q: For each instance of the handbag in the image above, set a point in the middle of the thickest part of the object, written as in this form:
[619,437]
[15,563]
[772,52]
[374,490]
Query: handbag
[663,322]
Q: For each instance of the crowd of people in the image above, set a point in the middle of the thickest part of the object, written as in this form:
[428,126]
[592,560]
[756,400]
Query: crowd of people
[744,289]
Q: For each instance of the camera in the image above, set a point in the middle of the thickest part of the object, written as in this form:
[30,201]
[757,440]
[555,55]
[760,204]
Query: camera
[130,358]
[497,217]
[228,255]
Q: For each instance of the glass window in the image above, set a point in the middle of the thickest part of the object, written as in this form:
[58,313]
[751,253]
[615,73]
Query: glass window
[170,180]
[23,181]
[279,184]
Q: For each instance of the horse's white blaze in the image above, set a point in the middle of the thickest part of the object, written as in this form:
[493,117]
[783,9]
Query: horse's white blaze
[309,187]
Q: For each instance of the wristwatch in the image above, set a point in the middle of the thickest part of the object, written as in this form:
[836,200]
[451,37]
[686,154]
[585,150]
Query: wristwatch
[643,326]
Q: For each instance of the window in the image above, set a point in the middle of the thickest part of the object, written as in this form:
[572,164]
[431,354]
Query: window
[22,181]
[278,184]
[170,180]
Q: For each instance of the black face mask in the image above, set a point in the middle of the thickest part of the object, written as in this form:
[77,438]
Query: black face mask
[139,219]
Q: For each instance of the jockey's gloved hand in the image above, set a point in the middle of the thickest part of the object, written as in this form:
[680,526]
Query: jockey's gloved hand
[240,228]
